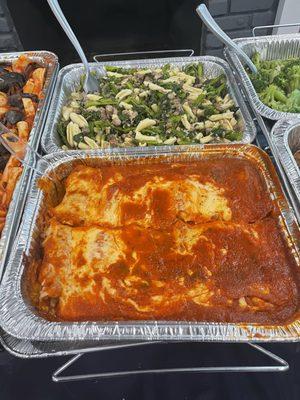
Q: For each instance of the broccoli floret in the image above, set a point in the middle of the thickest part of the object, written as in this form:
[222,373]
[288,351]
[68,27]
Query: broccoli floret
[289,63]
[293,76]
[293,102]
[281,81]
[272,95]
[256,59]
[259,82]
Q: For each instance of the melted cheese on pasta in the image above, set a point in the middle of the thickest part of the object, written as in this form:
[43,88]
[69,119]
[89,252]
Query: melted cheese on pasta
[166,242]
[157,201]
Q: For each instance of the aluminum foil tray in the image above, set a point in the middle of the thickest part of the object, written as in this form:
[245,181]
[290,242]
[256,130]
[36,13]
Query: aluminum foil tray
[19,319]
[286,136]
[37,349]
[270,48]
[14,213]
[69,77]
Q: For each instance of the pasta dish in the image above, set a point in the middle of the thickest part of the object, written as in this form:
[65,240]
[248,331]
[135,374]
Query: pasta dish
[149,107]
[21,84]
[196,241]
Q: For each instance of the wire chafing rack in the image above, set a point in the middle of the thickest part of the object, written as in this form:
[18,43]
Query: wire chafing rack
[29,349]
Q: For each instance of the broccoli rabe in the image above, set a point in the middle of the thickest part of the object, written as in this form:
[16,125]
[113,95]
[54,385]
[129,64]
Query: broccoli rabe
[195,70]
[277,82]
[151,106]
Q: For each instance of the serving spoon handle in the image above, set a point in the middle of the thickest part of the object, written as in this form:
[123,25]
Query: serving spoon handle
[211,24]
[90,83]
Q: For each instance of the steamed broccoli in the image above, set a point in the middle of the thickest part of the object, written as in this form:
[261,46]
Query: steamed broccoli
[293,102]
[259,81]
[256,59]
[293,75]
[281,81]
[277,82]
[272,95]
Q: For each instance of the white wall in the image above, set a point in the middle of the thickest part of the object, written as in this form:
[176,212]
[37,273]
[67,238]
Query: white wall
[288,12]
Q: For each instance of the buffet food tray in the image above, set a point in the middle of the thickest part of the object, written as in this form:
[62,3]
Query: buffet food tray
[286,136]
[69,78]
[20,320]
[14,213]
[37,349]
[269,48]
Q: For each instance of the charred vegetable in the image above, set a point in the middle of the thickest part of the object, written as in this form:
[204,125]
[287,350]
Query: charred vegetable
[11,82]
[13,116]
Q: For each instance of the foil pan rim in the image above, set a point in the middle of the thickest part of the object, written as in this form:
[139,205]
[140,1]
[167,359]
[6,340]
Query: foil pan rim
[235,63]
[18,320]
[279,134]
[48,142]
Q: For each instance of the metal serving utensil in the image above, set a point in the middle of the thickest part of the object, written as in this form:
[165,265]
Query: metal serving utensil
[18,148]
[91,83]
[211,24]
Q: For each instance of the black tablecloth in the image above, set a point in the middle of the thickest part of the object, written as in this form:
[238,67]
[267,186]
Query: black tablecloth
[31,379]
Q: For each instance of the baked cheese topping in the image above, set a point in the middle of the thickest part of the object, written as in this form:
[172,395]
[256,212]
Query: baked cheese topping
[182,241]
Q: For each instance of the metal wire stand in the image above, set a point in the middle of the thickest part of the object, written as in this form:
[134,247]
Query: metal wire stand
[142,54]
[57,377]
[281,366]
[17,347]
[256,28]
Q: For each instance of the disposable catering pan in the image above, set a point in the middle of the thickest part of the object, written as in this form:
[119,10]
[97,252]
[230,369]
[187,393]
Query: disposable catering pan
[13,217]
[19,319]
[270,48]
[69,78]
[44,349]
[286,137]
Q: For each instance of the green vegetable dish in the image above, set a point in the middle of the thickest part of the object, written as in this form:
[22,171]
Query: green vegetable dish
[277,83]
[146,107]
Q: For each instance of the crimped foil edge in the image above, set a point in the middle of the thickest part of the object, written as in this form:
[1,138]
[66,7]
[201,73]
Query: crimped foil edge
[50,139]
[279,135]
